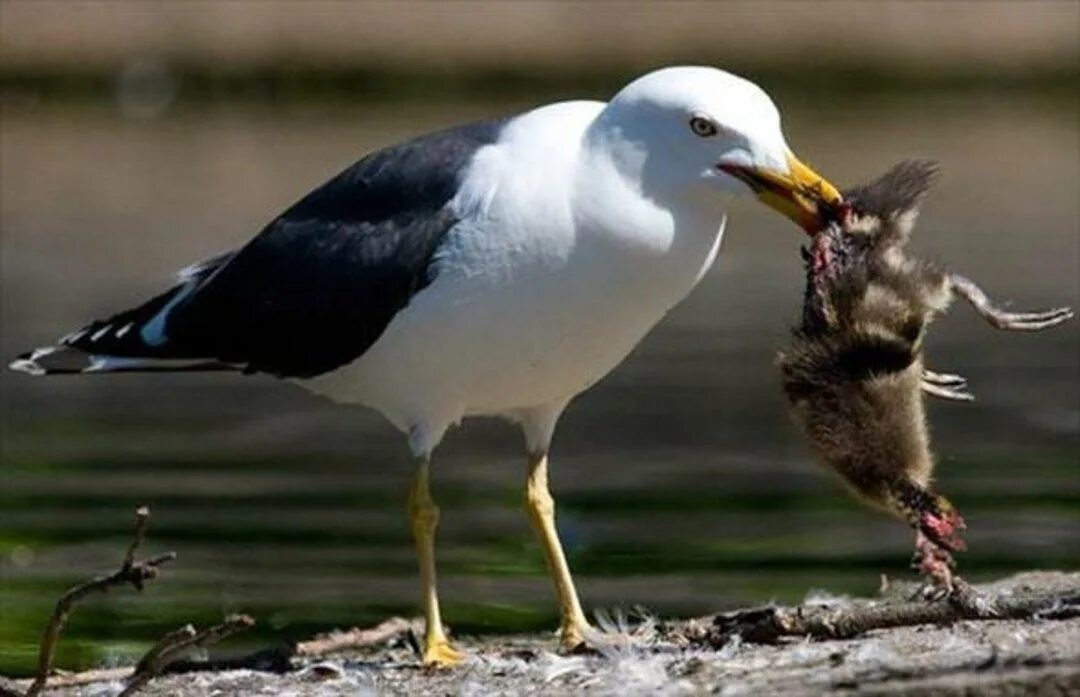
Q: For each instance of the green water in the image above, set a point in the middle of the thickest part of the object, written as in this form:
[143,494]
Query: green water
[680,484]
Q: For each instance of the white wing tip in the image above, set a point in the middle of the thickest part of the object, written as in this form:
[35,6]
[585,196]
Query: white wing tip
[29,363]
[26,365]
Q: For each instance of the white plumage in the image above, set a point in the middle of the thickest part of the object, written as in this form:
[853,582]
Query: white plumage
[579,229]
[558,268]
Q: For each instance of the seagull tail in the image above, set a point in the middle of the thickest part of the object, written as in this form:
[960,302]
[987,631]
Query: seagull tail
[64,360]
[130,341]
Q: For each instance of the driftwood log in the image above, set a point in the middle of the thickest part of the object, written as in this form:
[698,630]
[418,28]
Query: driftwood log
[772,624]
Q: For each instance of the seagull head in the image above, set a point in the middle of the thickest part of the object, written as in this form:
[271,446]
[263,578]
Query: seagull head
[695,131]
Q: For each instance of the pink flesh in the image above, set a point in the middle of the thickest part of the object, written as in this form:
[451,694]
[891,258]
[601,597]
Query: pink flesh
[945,529]
[934,563]
[820,252]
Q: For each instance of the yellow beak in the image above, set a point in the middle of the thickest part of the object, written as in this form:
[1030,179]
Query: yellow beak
[801,194]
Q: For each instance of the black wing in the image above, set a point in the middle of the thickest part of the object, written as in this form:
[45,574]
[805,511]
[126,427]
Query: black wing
[320,283]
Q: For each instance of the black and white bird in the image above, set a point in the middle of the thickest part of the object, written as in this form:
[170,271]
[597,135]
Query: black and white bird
[495,268]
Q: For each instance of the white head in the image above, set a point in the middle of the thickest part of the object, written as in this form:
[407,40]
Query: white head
[695,132]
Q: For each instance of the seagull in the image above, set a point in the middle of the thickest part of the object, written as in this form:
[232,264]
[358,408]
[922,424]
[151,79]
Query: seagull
[497,268]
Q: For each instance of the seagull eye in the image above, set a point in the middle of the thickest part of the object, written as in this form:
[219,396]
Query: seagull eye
[702,127]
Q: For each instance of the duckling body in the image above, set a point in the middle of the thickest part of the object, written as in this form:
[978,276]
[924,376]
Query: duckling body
[854,375]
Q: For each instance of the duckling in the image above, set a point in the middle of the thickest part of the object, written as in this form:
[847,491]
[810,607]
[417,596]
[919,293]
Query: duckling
[854,375]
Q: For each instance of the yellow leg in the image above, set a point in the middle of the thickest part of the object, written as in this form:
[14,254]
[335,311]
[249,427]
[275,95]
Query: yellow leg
[541,509]
[424,517]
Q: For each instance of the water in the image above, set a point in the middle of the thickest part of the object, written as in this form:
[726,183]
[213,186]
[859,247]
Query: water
[679,481]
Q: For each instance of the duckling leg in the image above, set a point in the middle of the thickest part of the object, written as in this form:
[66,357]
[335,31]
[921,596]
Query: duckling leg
[947,393]
[943,379]
[1011,321]
[946,386]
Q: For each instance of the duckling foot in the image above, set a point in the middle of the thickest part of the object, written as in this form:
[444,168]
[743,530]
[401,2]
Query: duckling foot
[1029,321]
[946,386]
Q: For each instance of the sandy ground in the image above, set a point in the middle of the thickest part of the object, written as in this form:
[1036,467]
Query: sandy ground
[970,657]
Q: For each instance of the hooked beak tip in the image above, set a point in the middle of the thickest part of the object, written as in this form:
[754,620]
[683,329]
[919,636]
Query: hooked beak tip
[800,193]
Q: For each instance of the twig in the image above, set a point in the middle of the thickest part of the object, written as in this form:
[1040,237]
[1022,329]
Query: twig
[279,660]
[176,642]
[768,625]
[152,657]
[131,572]
[353,638]
[273,660]
[89,677]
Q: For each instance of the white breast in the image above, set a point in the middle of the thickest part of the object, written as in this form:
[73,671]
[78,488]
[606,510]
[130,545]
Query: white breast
[533,300]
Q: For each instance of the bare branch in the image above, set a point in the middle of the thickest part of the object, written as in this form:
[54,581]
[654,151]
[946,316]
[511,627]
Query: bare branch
[89,677]
[151,658]
[130,572]
[354,638]
[170,646]
[142,519]
[276,660]
[769,625]
[219,632]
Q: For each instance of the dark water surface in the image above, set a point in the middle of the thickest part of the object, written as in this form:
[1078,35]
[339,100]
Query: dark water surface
[680,483]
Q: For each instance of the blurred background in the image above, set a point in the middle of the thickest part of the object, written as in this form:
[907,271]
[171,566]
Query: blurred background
[136,138]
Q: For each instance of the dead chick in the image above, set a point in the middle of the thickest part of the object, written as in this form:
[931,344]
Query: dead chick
[854,374]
